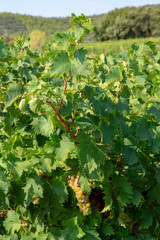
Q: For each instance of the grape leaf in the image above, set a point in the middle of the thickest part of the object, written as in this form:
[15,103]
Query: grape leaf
[130,155]
[154,193]
[113,75]
[90,154]
[80,64]
[106,230]
[72,230]
[43,126]
[4,182]
[65,147]
[91,233]
[99,100]
[137,197]
[147,217]
[140,79]
[84,184]
[12,223]
[33,188]
[4,50]
[108,194]
[61,63]
[157,175]
[12,237]
[154,109]
[14,91]
[60,190]
[124,189]
[108,133]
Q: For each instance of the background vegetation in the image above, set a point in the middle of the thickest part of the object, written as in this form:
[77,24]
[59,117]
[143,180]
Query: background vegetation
[129,22]
[17,24]
[114,47]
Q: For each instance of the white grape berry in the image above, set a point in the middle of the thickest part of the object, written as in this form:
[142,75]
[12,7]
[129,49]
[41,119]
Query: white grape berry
[35,200]
[22,104]
[82,197]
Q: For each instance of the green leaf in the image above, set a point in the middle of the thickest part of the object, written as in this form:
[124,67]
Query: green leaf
[41,236]
[35,104]
[39,225]
[155,109]
[60,190]
[46,164]
[21,166]
[72,230]
[108,169]
[99,100]
[145,237]
[130,155]
[9,77]
[4,50]
[123,104]
[80,64]
[65,147]
[90,154]
[61,63]
[43,126]
[12,223]
[33,188]
[106,229]
[140,79]
[124,189]
[114,75]
[157,175]
[63,39]
[91,234]
[33,236]
[34,85]
[137,197]
[84,184]
[108,194]
[108,133]
[154,193]
[4,182]
[14,91]
[12,237]
[147,217]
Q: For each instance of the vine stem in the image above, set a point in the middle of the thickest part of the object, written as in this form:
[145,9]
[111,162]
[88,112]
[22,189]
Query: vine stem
[120,161]
[62,121]
[65,87]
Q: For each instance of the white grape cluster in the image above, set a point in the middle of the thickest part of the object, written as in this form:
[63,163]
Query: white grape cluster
[82,197]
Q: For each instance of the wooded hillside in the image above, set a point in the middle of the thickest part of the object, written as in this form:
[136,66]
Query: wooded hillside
[128,22]
[131,22]
[17,24]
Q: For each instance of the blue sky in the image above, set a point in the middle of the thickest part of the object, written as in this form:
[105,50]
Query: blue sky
[62,8]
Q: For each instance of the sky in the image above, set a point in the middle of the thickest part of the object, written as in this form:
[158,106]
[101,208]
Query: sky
[63,8]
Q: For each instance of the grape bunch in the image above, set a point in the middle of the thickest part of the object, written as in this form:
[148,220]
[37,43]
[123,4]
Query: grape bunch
[82,197]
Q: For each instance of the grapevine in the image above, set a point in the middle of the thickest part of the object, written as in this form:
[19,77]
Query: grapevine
[79,140]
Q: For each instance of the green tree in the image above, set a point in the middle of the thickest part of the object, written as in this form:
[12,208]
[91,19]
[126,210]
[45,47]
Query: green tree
[130,22]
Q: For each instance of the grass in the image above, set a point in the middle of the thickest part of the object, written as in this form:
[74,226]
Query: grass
[114,47]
